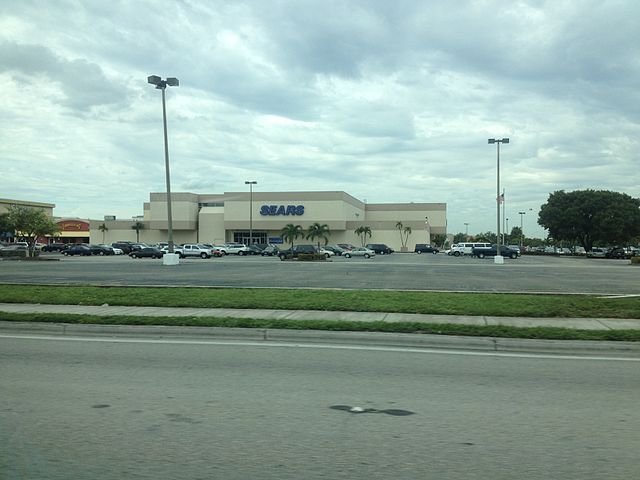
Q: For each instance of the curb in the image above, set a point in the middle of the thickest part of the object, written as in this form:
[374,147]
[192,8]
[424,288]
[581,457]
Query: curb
[400,340]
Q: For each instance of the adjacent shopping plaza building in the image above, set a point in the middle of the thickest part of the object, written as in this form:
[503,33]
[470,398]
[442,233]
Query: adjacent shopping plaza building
[261,216]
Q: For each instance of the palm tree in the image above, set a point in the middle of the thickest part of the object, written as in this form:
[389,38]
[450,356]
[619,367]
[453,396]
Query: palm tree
[320,232]
[103,228]
[137,227]
[290,232]
[404,233]
[363,232]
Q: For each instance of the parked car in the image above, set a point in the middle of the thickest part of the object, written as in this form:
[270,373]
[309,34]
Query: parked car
[101,250]
[196,250]
[597,252]
[618,252]
[517,249]
[147,252]
[126,247]
[296,251]
[326,252]
[335,249]
[466,248]
[492,251]
[116,250]
[425,248]
[177,249]
[359,252]
[215,251]
[234,248]
[346,246]
[379,248]
[254,250]
[269,251]
[81,249]
[53,247]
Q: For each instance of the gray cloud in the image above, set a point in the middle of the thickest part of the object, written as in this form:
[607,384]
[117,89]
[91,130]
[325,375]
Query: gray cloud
[83,83]
[390,101]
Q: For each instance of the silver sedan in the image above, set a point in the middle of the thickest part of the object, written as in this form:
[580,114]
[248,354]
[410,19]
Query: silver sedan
[359,252]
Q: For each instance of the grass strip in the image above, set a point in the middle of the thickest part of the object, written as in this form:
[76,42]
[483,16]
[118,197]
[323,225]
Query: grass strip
[488,304]
[547,333]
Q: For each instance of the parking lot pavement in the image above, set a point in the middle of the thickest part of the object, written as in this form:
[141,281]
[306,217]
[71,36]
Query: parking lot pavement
[539,274]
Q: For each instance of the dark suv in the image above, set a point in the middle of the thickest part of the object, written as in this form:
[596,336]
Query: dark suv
[54,247]
[425,248]
[617,252]
[297,250]
[126,247]
[380,248]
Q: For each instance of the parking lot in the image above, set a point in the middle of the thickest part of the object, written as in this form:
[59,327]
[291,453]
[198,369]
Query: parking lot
[532,274]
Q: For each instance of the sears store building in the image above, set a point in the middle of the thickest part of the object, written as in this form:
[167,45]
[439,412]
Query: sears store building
[231,216]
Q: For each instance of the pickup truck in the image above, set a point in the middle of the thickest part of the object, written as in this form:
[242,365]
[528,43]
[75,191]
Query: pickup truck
[195,250]
[492,251]
[297,250]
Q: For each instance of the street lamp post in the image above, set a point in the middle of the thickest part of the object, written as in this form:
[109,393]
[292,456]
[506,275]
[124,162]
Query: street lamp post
[251,184]
[162,85]
[498,258]
[522,214]
[466,230]
[505,235]
[428,228]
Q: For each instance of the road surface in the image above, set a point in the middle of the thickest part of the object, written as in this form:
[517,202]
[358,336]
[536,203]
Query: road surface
[115,408]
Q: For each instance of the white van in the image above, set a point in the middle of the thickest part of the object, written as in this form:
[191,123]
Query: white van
[465,248]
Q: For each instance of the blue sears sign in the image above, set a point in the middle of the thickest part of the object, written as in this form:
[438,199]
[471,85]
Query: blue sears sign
[273,210]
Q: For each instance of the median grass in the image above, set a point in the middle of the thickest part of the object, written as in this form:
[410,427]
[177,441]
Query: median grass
[487,304]
[547,333]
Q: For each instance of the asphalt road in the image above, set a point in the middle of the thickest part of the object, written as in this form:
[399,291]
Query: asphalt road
[162,409]
[397,271]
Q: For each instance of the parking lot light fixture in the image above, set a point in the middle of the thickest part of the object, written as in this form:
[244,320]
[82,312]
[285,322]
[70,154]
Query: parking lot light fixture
[522,214]
[498,258]
[251,183]
[162,85]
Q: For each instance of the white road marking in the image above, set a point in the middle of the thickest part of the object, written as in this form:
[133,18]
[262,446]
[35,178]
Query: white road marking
[270,344]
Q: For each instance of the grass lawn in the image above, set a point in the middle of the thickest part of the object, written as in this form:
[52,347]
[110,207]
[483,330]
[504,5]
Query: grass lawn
[490,304]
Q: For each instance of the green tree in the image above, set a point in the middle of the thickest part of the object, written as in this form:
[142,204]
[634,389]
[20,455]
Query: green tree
[291,232]
[30,223]
[103,228]
[459,238]
[137,227]
[320,232]
[439,240]
[488,237]
[363,232]
[590,216]
[404,233]
[6,229]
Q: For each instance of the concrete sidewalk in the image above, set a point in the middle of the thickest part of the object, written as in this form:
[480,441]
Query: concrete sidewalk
[108,310]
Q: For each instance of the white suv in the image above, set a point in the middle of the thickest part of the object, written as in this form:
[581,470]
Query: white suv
[234,248]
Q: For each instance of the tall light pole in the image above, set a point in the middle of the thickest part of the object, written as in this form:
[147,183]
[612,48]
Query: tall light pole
[251,184]
[466,230]
[428,228]
[506,235]
[498,258]
[162,85]
[522,214]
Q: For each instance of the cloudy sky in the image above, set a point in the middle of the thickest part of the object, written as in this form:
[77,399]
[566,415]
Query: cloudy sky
[390,101]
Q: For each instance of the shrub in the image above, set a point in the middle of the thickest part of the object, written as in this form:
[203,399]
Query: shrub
[312,257]
[635,260]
